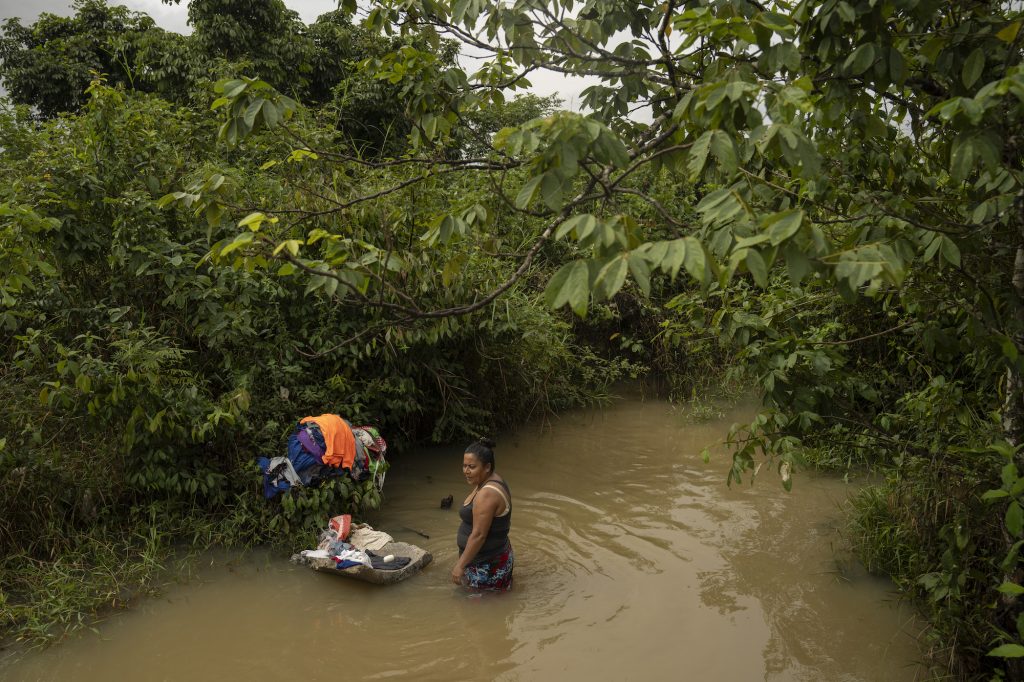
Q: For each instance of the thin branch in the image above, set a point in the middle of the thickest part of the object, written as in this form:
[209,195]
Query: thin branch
[653,202]
[663,43]
[863,338]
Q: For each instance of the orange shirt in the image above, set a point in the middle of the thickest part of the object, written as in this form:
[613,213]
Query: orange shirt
[338,437]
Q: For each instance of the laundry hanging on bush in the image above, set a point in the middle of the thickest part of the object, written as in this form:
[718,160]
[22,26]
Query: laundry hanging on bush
[321,447]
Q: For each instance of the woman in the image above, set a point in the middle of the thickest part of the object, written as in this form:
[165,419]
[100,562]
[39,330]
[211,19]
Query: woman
[485,553]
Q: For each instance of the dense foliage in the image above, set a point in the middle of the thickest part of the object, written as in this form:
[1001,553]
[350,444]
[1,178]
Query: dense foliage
[140,380]
[829,190]
[855,234]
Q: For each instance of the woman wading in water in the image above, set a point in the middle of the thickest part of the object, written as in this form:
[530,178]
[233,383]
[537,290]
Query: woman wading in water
[485,553]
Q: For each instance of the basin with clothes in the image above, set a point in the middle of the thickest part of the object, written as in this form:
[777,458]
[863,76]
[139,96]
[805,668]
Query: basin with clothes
[418,558]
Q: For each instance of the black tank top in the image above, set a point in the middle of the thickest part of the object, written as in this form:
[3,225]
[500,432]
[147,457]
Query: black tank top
[497,536]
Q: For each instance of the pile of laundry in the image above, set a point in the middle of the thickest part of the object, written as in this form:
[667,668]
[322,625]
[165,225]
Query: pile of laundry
[325,446]
[358,551]
[357,545]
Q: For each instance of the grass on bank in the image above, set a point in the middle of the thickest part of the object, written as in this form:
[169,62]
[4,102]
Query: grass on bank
[107,567]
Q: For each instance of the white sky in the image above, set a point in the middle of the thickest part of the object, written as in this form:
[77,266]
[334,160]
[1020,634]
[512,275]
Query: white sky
[175,18]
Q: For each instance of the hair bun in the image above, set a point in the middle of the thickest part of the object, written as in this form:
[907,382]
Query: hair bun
[488,442]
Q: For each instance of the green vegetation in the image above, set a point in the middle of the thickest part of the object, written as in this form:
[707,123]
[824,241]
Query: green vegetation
[825,196]
[140,380]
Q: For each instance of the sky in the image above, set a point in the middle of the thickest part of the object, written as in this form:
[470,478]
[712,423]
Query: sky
[175,18]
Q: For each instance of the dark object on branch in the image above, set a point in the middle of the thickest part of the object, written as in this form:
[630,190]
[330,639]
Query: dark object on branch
[446,503]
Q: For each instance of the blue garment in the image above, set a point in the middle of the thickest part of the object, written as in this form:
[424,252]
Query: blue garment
[274,482]
[308,465]
[300,457]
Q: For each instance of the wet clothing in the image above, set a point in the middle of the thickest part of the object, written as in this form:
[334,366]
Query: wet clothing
[279,475]
[302,467]
[311,440]
[323,447]
[496,541]
[397,562]
[340,444]
[495,574]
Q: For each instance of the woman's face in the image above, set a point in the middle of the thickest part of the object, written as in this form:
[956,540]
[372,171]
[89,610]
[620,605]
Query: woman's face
[475,471]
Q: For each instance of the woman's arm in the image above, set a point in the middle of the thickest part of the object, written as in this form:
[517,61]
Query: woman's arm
[485,507]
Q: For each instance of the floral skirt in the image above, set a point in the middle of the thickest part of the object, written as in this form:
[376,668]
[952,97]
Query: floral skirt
[494,574]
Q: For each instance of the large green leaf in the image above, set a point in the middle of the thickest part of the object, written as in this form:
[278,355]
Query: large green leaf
[571,284]
[699,155]
[581,225]
[724,149]
[1015,519]
[612,276]
[553,188]
[973,66]
[757,267]
[641,271]
[528,190]
[238,242]
[783,225]
[860,59]
[1007,651]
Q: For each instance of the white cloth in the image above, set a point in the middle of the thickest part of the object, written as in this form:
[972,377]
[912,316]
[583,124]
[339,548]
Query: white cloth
[364,536]
[288,473]
[316,554]
[353,555]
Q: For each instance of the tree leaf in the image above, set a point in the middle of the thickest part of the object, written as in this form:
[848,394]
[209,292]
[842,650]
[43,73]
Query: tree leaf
[1009,32]
[526,193]
[234,88]
[783,225]
[756,265]
[271,115]
[798,265]
[238,242]
[583,224]
[694,260]
[973,67]
[1007,651]
[897,66]
[292,245]
[950,251]
[859,266]
[674,255]
[252,111]
[641,271]
[253,220]
[1015,519]
[724,149]
[860,59]
[612,276]
[330,285]
[961,158]
[1010,588]
[571,284]
[1008,474]
[699,155]
[552,189]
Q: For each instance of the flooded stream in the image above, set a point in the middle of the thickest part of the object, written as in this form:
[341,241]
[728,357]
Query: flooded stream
[633,561]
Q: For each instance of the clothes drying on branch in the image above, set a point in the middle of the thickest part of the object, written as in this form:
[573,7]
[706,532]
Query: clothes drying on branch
[321,447]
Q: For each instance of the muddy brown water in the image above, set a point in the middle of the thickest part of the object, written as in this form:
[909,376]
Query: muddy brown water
[634,561]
